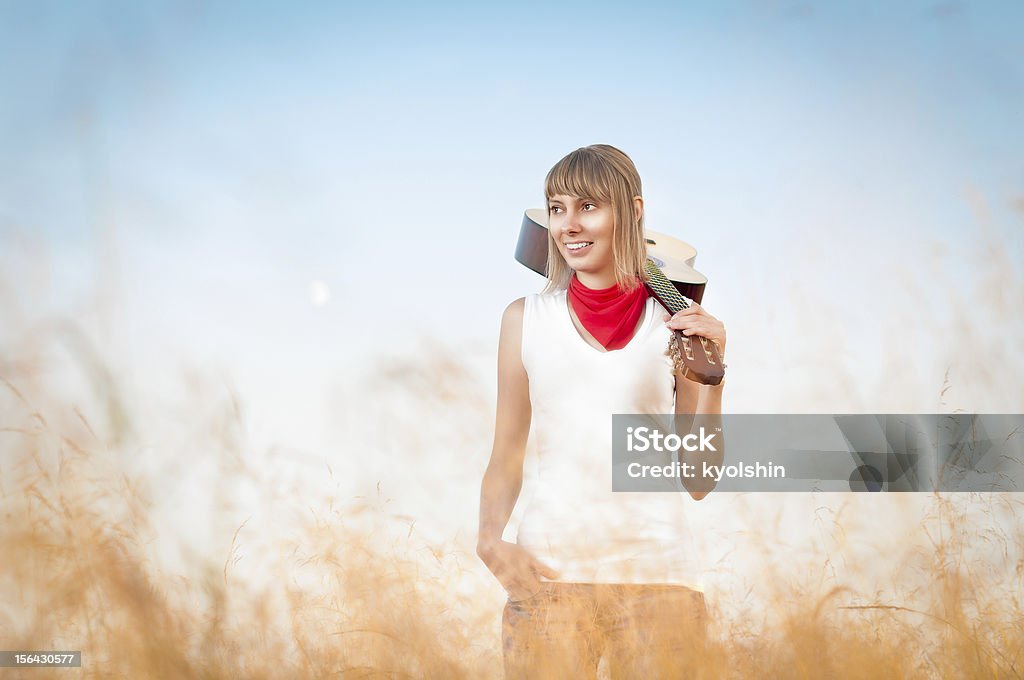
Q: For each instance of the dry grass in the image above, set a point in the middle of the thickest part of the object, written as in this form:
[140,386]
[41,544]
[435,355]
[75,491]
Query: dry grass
[347,586]
[80,574]
[352,600]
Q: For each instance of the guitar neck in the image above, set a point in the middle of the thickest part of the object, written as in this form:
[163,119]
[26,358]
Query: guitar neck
[664,290]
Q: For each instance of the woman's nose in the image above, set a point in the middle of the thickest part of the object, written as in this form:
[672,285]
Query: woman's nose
[572,224]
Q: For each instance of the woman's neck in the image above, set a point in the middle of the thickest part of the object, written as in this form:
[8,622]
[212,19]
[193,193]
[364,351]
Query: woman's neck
[596,281]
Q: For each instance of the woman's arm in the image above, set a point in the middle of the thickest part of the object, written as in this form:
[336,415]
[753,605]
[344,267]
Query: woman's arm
[515,568]
[503,479]
[699,405]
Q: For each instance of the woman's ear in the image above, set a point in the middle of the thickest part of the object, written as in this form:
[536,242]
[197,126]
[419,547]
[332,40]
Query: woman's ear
[638,208]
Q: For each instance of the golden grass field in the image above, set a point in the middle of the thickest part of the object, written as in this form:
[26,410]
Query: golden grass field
[368,584]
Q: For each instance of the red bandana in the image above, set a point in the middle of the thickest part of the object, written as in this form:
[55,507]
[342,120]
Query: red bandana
[609,314]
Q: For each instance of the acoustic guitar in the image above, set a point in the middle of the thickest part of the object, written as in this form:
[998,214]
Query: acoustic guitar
[672,281]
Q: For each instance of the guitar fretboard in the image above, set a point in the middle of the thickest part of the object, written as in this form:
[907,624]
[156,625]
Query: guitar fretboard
[664,290]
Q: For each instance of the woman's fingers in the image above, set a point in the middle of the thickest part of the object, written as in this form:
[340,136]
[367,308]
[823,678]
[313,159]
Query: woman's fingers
[529,584]
[690,311]
[688,321]
[692,318]
[696,321]
[545,570]
[685,314]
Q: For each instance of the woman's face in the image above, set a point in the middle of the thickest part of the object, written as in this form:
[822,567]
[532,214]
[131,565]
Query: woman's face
[582,229]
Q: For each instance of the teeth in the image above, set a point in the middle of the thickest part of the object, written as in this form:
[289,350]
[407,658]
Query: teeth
[577,246]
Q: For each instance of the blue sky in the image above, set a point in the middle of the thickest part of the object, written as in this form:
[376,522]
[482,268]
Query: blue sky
[204,164]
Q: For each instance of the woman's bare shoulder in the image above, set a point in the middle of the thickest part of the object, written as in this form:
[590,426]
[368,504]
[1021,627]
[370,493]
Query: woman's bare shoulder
[516,306]
[512,317]
[511,335]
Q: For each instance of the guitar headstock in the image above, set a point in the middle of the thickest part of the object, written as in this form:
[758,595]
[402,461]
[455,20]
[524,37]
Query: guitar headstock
[694,357]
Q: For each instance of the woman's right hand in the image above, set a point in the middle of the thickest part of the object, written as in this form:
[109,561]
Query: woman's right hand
[515,568]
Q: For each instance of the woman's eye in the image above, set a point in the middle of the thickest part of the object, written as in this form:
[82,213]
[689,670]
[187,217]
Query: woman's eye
[554,208]
[590,204]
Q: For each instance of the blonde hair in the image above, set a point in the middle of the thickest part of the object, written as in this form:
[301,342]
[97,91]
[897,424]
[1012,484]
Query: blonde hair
[607,175]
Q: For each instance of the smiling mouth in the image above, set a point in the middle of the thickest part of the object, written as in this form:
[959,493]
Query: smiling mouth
[578,247]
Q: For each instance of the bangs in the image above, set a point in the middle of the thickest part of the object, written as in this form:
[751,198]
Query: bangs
[580,174]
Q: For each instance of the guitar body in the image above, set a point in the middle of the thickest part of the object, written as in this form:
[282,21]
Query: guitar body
[674,257]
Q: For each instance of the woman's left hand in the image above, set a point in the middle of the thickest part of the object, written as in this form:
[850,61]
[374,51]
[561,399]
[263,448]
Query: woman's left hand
[697,321]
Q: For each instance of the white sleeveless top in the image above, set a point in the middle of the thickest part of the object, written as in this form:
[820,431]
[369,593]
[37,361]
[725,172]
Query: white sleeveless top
[574,522]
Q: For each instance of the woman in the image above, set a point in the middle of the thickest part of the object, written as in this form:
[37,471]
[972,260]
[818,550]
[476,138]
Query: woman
[593,573]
